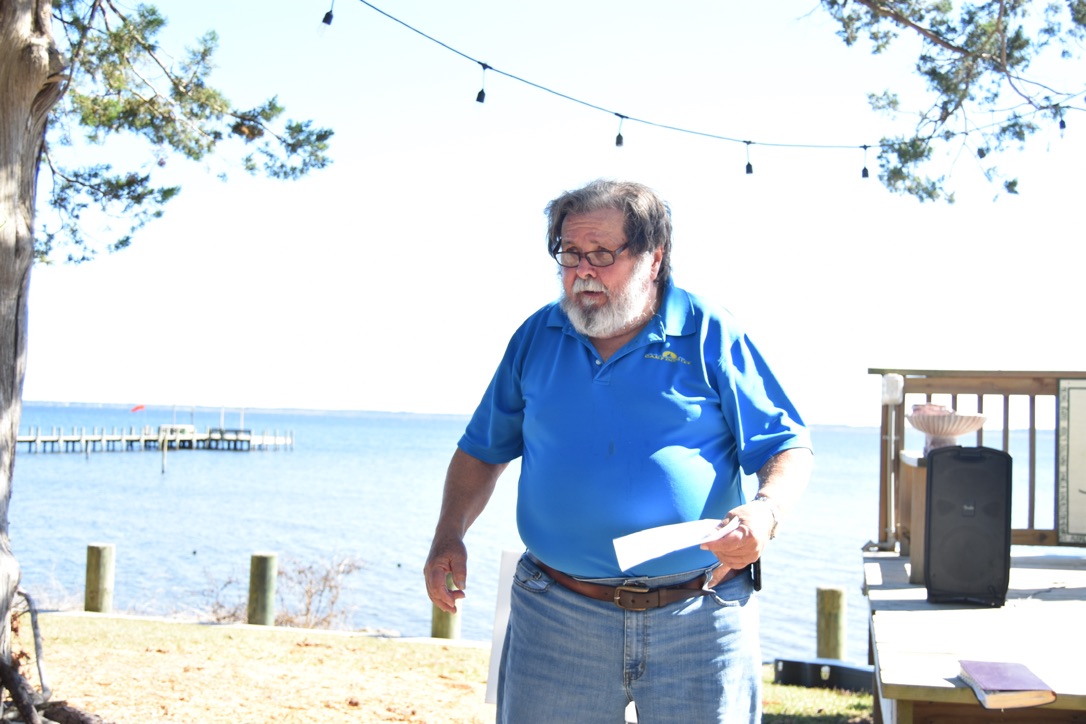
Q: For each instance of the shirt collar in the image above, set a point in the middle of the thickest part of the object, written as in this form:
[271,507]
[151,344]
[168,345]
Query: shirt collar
[676,312]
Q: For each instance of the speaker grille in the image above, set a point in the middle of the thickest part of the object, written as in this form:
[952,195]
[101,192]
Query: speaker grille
[968,525]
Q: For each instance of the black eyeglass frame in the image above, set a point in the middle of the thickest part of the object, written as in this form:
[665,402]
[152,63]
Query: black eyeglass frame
[609,256]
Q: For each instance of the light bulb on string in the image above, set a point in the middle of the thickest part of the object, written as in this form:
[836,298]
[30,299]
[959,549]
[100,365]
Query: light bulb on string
[480,97]
[981,152]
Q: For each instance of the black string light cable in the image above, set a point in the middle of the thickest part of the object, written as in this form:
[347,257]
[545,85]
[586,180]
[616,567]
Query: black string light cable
[481,97]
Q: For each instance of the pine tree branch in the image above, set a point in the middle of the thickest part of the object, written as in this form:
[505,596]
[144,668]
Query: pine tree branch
[883,10]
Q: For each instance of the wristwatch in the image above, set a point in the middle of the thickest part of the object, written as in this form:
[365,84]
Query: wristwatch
[774,510]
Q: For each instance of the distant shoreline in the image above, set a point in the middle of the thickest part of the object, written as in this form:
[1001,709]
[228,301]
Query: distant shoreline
[124,406]
[364,414]
[371,414]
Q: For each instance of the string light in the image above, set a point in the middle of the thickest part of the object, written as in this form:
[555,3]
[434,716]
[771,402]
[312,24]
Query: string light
[480,97]
[328,15]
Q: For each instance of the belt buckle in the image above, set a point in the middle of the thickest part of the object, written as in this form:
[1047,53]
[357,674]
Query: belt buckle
[619,590]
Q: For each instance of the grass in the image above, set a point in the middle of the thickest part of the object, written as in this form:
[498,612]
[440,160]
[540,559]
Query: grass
[785,704]
[137,669]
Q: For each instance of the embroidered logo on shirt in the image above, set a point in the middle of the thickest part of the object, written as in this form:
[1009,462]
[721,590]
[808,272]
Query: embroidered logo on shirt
[667,357]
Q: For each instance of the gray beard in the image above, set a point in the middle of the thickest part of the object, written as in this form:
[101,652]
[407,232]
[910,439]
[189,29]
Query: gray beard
[623,309]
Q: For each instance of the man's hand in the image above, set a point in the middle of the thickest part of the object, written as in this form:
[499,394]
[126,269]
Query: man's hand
[745,544]
[447,560]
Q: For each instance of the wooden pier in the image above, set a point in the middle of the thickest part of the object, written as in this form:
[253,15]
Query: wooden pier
[171,437]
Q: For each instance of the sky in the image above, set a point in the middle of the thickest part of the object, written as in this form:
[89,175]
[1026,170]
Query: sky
[393,279]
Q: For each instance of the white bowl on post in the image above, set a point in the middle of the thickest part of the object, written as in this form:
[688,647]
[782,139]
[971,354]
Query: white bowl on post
[943,430]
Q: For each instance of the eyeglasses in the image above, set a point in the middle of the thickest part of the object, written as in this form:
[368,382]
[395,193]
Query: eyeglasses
[599,257]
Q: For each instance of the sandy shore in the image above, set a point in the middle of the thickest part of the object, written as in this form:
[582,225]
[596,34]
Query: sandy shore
[136,669]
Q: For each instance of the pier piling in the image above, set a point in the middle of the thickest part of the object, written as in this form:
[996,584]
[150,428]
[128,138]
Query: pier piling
[263,570]
[832,617]
[98,597]
[444,625]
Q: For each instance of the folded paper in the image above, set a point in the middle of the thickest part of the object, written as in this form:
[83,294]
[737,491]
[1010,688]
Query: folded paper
[645,545]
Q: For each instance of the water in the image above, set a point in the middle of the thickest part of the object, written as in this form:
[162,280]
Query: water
[365,486]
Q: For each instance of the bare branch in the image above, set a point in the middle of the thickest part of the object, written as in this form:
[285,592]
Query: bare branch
[77,51]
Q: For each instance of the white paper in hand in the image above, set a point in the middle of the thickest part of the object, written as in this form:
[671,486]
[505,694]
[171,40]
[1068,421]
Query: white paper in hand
[645,545]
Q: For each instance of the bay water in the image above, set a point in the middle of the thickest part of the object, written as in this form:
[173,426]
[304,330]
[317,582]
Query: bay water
[364,486]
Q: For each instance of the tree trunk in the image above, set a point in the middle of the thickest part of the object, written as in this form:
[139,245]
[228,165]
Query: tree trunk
[30,84]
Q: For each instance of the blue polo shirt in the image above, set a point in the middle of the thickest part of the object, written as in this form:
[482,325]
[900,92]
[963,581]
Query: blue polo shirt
[655,435]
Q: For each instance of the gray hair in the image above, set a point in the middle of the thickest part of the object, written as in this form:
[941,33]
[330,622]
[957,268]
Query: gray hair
[648,217]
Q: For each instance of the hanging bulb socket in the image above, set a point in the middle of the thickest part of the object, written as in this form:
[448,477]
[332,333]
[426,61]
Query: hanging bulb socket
[480,97]
[864,173]
[618,138]
[750,166]
[327,18]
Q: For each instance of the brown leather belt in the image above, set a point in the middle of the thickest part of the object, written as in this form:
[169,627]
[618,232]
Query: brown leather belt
[639,598]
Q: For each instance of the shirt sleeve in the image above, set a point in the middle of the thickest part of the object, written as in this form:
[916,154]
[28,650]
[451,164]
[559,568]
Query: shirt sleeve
[762,417]
[495,432]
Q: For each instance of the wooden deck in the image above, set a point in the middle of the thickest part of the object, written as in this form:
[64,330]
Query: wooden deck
[172,437]
[917,644]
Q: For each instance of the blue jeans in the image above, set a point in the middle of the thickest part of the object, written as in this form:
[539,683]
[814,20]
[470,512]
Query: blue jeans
[569,658]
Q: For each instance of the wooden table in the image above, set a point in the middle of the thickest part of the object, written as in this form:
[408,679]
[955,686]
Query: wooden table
[917,645]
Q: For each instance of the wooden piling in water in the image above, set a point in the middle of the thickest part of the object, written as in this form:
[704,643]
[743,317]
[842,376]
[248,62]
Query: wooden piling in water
[98,597]
[445,625]
[832,619]
[263,570]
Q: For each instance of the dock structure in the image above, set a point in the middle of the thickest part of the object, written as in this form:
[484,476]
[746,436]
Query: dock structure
[171,437]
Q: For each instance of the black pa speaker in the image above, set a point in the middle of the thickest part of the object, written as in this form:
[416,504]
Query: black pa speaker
[967,542]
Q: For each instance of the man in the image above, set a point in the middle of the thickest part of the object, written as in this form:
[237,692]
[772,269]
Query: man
[633,404]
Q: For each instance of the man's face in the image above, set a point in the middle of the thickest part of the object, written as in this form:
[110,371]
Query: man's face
[606,301]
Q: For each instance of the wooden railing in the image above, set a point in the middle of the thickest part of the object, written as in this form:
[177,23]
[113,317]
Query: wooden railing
[1020,400]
